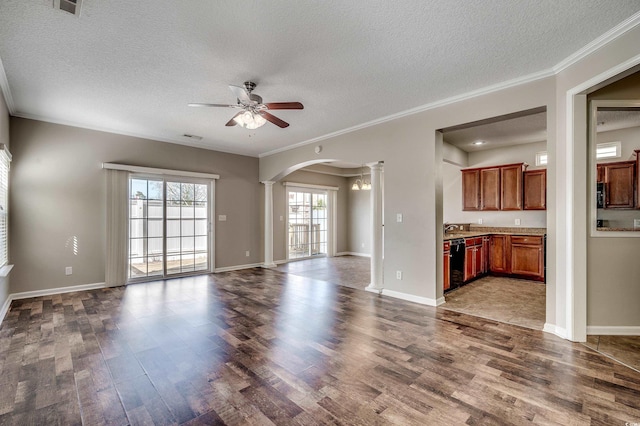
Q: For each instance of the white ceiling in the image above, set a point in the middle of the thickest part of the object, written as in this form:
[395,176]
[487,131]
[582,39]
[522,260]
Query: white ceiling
[132,67]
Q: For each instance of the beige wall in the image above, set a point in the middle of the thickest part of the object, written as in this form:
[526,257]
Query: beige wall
[412,170]
[59,191]
[613,270]
[359,219]
[4,139]
[280,209]
[452,187]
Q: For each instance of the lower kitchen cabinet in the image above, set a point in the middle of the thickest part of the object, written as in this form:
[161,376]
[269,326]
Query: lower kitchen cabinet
[498,254]
[473,260]
[527,256]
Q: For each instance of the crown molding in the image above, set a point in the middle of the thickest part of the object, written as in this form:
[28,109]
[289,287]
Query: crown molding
[6,91]
[437,104]
[606,38]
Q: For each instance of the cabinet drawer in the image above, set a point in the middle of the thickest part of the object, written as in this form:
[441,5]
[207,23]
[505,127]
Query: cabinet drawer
[529,240]
[470,242]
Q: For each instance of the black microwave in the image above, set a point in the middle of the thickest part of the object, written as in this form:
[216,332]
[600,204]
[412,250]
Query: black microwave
[600,195]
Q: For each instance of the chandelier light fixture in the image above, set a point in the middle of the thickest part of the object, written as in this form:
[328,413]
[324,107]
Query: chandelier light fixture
[360,183]
[250,120]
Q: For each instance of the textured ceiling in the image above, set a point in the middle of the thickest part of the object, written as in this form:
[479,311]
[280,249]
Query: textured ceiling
[133,66]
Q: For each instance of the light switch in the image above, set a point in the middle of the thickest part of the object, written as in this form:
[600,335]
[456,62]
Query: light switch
[517,221]
[222,218]
[399,217]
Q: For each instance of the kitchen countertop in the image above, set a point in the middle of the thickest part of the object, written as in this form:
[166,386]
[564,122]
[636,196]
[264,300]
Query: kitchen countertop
[480,231]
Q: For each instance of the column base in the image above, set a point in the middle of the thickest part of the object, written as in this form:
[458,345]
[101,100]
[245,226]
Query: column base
[373,289]
[268,265]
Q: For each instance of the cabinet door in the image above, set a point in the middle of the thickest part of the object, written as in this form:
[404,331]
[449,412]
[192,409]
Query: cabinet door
[511,187]
[619,178]
[527,256]
[498,254]
[469,272]
[535,190]
[446,274]
[490,189]
[477,261]
[470,190]
[486,245]
[637,152]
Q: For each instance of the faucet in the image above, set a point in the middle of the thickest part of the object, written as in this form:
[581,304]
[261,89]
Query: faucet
[450,227]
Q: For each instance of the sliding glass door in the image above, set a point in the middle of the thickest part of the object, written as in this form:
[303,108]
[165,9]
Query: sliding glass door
[308,221]
[168,227]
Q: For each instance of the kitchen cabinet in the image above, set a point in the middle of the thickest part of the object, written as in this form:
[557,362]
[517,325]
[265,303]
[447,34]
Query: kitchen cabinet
[527,256]
[446,262]
[511,187]
[637,152]
[471,190]
[490,189]
[619,182]
[473,261]
[535,189]
[498,254]
[486,244]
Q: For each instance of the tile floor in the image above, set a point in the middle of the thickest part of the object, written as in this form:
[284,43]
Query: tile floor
[517,302]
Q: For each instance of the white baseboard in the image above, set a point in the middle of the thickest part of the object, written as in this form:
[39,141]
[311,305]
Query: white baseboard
[553,329]
[352,253]
[606,330]
[5,308]
[405,296]
[238,267]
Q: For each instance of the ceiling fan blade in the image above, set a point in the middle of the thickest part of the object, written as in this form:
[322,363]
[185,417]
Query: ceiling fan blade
[233,122]
[240,93]
[216,105]
[275,120]
[284,105]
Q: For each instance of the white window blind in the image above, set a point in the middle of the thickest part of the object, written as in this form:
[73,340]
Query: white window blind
[5,160]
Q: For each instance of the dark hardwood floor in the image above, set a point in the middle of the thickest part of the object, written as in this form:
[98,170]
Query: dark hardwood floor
[267,347]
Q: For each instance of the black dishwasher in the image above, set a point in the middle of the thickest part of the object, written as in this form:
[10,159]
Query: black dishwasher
[457,263]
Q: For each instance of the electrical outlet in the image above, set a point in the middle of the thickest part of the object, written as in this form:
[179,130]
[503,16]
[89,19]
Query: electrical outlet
[362,245]
[399,217]
[247,253]
[281,218]
[68,270]
[517,221]
[479,221]
[398,275]
[222,218]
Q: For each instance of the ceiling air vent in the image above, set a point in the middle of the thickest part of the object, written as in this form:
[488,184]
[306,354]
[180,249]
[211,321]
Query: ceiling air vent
[70,6]
[194,137]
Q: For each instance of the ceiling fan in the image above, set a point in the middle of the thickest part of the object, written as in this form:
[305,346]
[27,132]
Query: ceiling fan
[253,112]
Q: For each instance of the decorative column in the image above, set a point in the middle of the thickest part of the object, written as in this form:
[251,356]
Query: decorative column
[376,229]
[268,225]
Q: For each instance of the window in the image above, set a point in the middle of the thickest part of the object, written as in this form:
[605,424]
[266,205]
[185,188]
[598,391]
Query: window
[307,223]
[168,226]
[608,150]
[541,158]
[5,160]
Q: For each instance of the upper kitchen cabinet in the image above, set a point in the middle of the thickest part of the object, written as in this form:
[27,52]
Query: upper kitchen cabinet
[490,189]
[511,187]
[471,190]
[535,189]
[493,188]
[619,182]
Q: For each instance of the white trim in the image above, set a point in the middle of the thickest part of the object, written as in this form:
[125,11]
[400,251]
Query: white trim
[59,290]
[406,296]
[606,38]
[572,329]
[606,330]
[5,308]
[353,253]
[4,271]
[156,171]
[437,104]
[6,91]
[312,186]
[238,267]
[553,329]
